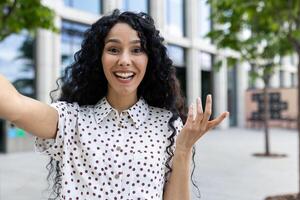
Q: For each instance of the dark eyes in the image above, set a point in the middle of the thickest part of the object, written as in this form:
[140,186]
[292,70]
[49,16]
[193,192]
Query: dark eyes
[113,50]
[136,50]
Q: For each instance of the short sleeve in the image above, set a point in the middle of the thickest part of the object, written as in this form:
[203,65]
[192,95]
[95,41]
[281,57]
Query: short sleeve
[55,147]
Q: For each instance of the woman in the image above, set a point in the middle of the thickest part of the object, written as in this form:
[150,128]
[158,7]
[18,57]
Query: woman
[117,130]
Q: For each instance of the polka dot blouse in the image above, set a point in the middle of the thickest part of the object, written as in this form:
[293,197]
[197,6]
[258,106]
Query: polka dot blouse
[107,155]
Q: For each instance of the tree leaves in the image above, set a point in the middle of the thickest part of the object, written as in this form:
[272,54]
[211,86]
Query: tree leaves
[267,25]
[18,15]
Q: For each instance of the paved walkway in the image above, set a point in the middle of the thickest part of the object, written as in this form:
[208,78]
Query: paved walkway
[226,169]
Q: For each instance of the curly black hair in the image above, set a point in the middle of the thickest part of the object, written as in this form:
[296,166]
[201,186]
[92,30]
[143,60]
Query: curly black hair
[84,81]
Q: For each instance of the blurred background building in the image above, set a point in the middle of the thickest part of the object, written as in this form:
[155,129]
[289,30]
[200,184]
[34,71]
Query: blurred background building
[34,64]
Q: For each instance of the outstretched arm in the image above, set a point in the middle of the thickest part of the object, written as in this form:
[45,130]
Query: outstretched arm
[178,188]
[29,114]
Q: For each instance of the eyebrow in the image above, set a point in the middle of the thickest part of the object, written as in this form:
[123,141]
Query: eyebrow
[119,41]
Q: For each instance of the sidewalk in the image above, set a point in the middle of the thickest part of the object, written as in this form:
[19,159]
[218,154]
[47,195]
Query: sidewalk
[225,168]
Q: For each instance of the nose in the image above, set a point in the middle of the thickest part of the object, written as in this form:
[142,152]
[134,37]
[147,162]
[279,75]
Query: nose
[125,59]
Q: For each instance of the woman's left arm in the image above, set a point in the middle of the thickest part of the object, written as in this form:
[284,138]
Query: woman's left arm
[178,185]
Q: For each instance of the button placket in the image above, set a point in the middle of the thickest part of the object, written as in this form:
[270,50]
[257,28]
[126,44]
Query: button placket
[119,149]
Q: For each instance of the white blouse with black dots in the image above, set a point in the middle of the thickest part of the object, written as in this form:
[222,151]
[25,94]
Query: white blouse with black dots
[106,155]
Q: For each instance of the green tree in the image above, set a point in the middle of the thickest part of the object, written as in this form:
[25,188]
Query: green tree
[261,31]
[239,28]
[18,15]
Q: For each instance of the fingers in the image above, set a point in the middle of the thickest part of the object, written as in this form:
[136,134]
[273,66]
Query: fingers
[217,121]
[190,117]
[199,115]
[207,111]
[201,120]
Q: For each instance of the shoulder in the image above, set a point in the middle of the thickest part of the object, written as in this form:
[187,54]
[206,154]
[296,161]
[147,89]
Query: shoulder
[71,108]
[64,105]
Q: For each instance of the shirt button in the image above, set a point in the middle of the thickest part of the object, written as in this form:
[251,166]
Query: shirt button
[120,125]
[119,148]
[118,175]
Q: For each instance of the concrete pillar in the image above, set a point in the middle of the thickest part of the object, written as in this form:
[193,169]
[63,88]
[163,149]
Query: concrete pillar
[193,65]
[242,85]
[47,61]
[191,19]
[220,92]
[157,10]
[193,76]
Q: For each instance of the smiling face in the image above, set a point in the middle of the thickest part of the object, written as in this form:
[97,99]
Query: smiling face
[124,61]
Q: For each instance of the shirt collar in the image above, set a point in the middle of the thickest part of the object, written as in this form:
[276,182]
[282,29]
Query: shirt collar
[138,112]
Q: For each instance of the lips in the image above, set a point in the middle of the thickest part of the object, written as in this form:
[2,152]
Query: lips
[124,75]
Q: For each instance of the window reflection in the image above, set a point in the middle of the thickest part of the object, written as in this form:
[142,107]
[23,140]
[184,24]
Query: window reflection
[177,54]
[72,36]
[93,6]
[136,5]
[205,60]
[204,24]
[17,62]
[175,17]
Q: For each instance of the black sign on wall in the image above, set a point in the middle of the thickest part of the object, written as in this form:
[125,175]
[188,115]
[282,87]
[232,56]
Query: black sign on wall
[275,103]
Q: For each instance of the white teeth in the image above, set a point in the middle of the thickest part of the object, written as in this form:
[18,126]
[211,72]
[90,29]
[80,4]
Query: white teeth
[124,75]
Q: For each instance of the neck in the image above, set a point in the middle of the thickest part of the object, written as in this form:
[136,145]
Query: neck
[121,103]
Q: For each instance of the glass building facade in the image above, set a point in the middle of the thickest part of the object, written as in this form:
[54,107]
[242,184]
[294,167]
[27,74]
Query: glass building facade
[71,38]
[90,6]
[175,17]
[178,56]
[17,64]
[204,23]
[191,53]
[136,5]
[206,74]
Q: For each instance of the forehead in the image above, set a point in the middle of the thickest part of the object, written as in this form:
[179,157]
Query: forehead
[123,32]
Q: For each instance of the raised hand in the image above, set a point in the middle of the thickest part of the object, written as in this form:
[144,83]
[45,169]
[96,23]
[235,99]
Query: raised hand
[196,126]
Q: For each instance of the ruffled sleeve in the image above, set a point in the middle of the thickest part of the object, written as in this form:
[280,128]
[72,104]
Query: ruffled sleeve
[66,124]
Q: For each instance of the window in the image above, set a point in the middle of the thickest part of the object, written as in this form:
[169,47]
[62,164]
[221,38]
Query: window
[251,80]
[232,94]
[293,80]
[281,78]
[205,60]
[206,74]
[17,62]
[136,5]
[177,54]
[174,16]
[72,36]
[92,6]
[204,23]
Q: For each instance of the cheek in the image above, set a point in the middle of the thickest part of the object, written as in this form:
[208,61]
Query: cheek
[106,60]
[143,64]
[107,63]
